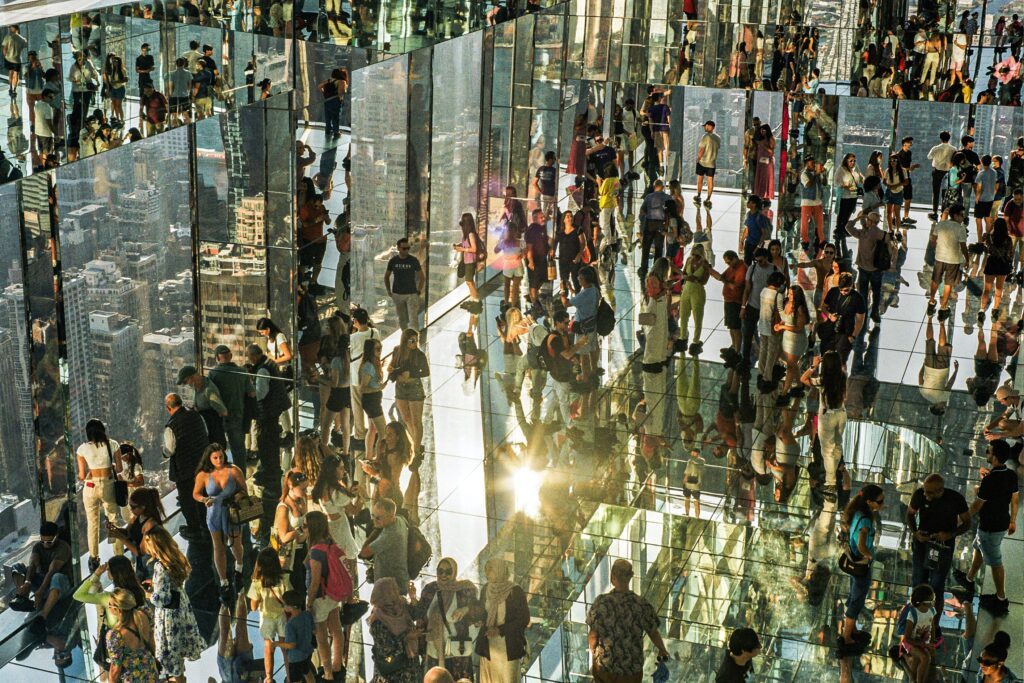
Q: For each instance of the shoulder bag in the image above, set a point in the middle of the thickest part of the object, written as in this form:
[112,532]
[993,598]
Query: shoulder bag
[120,485]
[454,644]
[243,508]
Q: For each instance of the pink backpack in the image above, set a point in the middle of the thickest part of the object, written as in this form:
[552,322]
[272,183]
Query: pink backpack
[337,583]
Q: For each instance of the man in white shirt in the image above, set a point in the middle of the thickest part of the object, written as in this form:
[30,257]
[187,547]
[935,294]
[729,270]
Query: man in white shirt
[949,237]
[934,380]
[940,155]
[43,114]
[707,159]
[12,46]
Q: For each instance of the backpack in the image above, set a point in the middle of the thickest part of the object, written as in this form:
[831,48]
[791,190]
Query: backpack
[550,363]
[418,551]
[882,258]
[605,318]
[338,582]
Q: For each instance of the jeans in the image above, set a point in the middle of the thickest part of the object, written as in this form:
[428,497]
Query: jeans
[847,206]
[860,586]
[937,177]
[831,425]
[236,442]
[936,578]
[873,279]
[332,116]
[408,306]
[652,238]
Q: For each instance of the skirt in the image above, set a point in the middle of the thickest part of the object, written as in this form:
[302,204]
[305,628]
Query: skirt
[411,390]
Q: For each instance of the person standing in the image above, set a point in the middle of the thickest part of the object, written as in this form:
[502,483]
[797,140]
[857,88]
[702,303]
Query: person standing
[811,197]
[906,162]
[388,547]
[870,238]
[97,470]
[652,218]
[538,245]
[941,156]
[271,400]
[202,91]
[403,281]
[608,203]
[207,401]
[949,238]
[844,311]
[502,641]
[546,182]
[660,116]
[12,46]
[234,387]
[333,91]
[985,193]
[732,279]
[861,516]
[996,508]
[935,517]
[184,441]
[707,160]
[618,621]
[757,229]
[363,329]
[144,66]
[180,82]
[750,305]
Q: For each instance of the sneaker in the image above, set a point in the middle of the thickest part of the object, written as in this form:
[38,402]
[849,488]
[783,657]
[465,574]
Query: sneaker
[931,308]
[707,203]
[943,315]
[910,220]
[933,216]
[995,606]
[963,582]
[876,317]
[696,199]
[981,317]
[696,348]
[94,563]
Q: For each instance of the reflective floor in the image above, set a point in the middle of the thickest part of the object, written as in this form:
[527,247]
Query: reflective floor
[591,499]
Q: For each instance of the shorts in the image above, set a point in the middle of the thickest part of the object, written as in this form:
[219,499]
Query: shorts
[948,272]
[372,404]
[204,106]
[732,316]
[705,170]
[893,198]
[12,66]
[989,543]
[982,209]
[116,93]
[234,668]
[516,271]
[179,105]
[322,608]
[339,399]
[591,342]
[694,494]
[297,670]
[411,390]
[937,358]
[272,626]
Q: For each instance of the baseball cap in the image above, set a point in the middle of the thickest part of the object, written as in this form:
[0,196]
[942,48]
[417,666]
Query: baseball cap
[221,348]
[185,373]
[1006,391]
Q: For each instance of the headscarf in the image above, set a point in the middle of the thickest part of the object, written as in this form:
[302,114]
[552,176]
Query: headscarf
[499,585]
[389,607]
[447,590]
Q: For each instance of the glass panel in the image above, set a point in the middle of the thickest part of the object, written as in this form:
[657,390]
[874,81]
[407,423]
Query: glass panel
[128,292]
[379,162]
[925,120]
[726,109]
[455,149]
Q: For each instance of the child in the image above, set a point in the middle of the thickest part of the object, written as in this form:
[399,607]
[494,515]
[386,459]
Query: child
[298,639]
[266,595]
[918,640]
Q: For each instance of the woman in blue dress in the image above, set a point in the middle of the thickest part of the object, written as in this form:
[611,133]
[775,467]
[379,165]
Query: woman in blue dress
[217,481]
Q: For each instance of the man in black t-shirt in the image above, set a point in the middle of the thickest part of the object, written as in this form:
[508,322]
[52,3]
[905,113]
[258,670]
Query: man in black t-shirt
[906,161]
[546,181]
[403,281]
[144,65]
[744,645]
[968,166]
[936,516]
[845,308]
[537,246]
[559,353]
[996,508]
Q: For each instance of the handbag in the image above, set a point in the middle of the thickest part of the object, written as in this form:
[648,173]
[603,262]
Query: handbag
[850,566]
[394,663]
[455,647]
[243,509]
[99,653]
[120,485]
[351,612]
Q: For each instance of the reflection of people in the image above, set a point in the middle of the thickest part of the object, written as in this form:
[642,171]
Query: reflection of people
[936,515]
[744,645]
[184,439]
[503,642]
[403,280]
[97,469]
[48,574]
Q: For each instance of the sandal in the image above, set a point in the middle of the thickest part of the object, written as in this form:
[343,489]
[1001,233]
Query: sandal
[62,658]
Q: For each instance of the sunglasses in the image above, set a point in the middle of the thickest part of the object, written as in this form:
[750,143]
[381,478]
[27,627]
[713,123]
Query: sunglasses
[299,477]
[987,662]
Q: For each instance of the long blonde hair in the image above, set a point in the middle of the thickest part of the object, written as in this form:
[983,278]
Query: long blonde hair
[130,614]
[159,543]
[308,457]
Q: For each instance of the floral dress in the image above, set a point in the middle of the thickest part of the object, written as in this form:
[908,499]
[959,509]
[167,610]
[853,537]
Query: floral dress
[386,644]
[137,666]
[176,632]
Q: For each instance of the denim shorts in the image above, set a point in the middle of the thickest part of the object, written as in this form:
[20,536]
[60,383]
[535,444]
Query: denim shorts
[893,198]
[990,544]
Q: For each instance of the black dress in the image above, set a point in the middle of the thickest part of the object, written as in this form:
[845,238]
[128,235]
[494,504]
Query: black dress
[1000,259]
